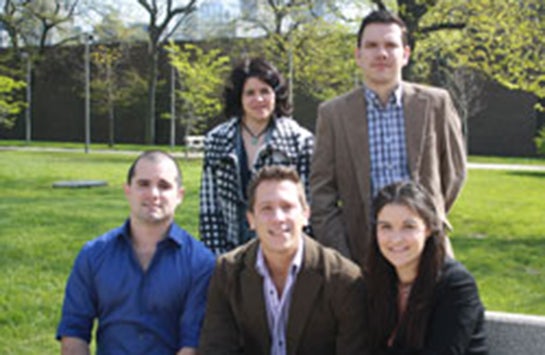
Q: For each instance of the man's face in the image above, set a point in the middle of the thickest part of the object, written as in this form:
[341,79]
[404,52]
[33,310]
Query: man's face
[382,55]
[153,193]
[278,216]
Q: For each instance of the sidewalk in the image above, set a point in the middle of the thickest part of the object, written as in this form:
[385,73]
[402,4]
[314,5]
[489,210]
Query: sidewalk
[199,154]
[517,167]
[178,154]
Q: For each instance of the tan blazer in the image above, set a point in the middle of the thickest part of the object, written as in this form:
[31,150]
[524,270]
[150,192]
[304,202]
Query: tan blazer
[340,170]
[326,312]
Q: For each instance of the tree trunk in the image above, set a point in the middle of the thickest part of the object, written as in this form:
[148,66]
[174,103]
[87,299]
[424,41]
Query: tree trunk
[152,88]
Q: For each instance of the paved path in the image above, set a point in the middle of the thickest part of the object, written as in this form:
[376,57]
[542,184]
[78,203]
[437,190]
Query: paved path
[518,167]
[196,154]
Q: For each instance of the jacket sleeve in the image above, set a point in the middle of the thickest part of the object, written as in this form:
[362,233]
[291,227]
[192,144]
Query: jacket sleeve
[220,333]
[326,213]
[453,160]
[457,319]
[212,228]
[352,325]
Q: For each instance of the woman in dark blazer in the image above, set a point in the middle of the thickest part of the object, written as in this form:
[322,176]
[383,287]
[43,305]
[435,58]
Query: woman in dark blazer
[419,301]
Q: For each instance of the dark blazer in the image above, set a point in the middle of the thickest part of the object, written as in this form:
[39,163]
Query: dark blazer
[326,314]
[340,172]
[456,325]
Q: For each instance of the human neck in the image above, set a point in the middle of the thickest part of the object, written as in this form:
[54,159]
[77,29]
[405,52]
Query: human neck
[406,276]
[383,91]
[147,234]
[255,126]
[278,266]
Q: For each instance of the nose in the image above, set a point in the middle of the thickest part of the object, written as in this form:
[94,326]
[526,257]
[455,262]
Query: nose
[395,236]
[382,52]
[278,214]
[154,191]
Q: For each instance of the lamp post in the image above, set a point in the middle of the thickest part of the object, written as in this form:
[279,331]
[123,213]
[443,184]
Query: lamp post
[87,38]
[172,106]
[28,121]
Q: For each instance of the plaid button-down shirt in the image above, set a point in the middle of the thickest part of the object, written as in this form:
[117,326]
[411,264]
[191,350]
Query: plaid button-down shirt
[387,146]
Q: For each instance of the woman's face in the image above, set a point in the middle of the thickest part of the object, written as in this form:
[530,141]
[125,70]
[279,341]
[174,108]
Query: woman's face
[258,100]
[401,235]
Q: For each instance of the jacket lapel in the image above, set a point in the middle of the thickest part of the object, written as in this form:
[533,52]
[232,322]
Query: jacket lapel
[306,290]
[415,111]
[253,302]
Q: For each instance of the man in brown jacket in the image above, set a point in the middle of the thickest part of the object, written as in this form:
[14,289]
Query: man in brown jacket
[386,131]
[283,293]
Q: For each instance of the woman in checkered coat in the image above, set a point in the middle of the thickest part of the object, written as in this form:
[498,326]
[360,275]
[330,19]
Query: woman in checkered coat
[260,132]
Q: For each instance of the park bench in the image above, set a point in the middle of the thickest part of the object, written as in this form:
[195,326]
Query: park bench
[515,334]
[194,142]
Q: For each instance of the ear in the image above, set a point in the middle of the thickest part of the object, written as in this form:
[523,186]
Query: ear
[251,220]
[406,55]
[357,55]
[181,194]
[306,214]
[127,189]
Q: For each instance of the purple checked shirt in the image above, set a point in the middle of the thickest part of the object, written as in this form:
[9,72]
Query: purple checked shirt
[278,305]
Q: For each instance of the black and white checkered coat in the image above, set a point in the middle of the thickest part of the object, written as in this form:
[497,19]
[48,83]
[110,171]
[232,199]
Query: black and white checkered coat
[221,191]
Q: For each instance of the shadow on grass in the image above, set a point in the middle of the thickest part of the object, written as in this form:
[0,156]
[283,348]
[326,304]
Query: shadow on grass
[530,174]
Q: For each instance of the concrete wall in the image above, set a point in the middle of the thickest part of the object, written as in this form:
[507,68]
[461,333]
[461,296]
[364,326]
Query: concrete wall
[515,334]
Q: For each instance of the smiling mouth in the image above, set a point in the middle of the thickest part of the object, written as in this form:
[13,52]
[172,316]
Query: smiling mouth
[279,232]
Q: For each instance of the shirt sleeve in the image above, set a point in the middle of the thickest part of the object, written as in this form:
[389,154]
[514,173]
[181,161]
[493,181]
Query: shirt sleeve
[202,266]
[80,306]
[453,162]
[211,226]
[220,333]
[326,213]
[457,317]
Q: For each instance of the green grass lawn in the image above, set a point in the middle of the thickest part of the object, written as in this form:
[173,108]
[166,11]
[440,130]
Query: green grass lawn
[499,235]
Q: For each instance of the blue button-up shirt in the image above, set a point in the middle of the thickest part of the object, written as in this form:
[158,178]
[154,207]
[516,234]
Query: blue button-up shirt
[387,145]
[157,311]
[278,306]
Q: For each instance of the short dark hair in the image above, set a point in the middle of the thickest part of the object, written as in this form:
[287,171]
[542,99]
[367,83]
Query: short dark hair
[154,155]
[386,17]
[275,173]
[263,70]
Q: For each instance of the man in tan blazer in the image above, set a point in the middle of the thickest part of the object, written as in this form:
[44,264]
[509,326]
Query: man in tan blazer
[386,131]
[283,293]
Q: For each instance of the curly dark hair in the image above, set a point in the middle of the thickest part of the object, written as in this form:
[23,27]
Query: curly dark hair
[382,280]
[264,71]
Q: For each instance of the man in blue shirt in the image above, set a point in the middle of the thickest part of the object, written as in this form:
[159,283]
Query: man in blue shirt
[145,282]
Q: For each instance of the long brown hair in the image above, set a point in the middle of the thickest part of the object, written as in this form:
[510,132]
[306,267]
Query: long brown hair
[382,280]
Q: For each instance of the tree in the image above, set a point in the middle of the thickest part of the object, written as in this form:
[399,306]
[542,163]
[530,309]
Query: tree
[201,76]
[302,38]
[165,16]
[10,106]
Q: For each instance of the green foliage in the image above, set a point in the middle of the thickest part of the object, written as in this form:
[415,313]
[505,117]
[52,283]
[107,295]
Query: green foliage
[201,77]
[504,40]
[324,65]
[112,84]
[10,106]
[540,142]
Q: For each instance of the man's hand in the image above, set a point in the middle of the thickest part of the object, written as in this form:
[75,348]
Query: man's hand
[74,346]
[187,351]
